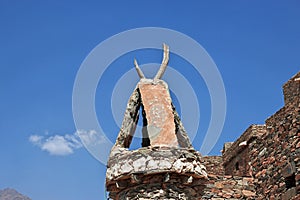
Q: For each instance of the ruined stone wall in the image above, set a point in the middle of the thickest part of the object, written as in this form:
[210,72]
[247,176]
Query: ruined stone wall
[238,165]
[291,90]
[275,157]
[162,172]
[229,187]
[213,164]
[276,161]
[164,186]
[236,158]
[271,153]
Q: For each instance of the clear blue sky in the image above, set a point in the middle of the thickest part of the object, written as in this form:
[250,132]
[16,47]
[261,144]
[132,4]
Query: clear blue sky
[255,44]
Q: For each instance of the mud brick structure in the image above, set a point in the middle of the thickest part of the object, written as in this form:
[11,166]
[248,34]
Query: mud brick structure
[263,163]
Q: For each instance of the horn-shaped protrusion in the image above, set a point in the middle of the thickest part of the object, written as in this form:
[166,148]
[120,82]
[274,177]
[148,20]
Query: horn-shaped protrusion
[164,63]
[138,69]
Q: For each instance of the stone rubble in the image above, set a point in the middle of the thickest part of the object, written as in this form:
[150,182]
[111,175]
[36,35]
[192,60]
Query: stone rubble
[229,187]
[214,165]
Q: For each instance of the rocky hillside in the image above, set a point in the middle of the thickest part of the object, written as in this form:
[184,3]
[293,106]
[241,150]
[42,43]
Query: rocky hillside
[11,194]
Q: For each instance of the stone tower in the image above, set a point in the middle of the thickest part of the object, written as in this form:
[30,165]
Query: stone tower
[166,166]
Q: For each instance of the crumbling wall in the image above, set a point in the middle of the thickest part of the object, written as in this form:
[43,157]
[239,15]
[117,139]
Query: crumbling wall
[236,158]
[213,164]
[271,153]
[276,163]
[156,188]
[275,160]
[164,171]
[291,90]
[229,187]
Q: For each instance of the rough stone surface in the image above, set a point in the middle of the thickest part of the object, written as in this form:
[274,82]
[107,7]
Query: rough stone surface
[154,165]
[229,187]
[172,189]
[130,120]
[272,157]
[236,157]
[275,158]
[291,90]
[159,113]
[214,165]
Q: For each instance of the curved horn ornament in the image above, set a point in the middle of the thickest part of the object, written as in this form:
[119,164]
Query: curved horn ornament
[164,63]
[162,67]
[138,69]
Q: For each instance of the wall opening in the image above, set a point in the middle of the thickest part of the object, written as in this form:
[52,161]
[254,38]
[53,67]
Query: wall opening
[237,166]
[140,136]
[145,140]
[290,181]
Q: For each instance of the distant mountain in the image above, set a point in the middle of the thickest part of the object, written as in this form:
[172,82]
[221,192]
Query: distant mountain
[11,194]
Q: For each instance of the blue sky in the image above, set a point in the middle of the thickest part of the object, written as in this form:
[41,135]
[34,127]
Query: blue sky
[254,44]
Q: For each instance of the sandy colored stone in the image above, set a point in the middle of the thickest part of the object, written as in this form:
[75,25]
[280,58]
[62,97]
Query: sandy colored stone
[248,193]
[159,113]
